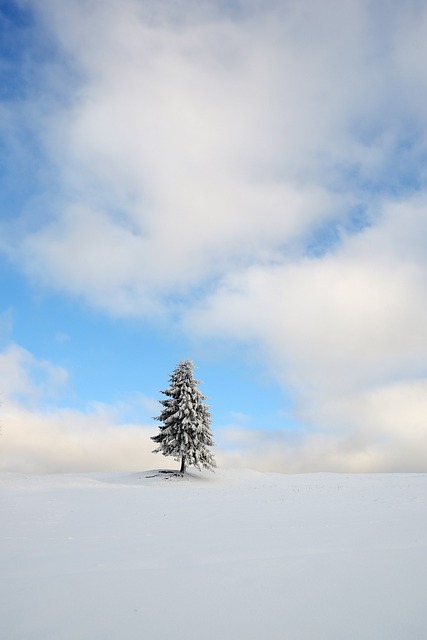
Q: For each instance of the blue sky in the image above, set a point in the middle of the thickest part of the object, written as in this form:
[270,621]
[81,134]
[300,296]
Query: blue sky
[241,184]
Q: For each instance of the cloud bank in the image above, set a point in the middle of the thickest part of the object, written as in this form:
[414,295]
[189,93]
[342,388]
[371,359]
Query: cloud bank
[255,173]
[37,437]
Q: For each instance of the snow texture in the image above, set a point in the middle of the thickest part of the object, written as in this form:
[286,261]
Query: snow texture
[238,554]
[185,433]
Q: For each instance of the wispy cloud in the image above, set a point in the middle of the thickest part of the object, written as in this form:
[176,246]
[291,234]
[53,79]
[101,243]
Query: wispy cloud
[36,437]
[27,379]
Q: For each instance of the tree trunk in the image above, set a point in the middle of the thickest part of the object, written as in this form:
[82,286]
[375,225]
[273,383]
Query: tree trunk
[182,470]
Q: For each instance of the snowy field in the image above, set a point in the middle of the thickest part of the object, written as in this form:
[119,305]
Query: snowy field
[230,555]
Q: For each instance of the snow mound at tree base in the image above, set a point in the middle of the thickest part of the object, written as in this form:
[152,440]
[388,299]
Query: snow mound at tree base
[165,474]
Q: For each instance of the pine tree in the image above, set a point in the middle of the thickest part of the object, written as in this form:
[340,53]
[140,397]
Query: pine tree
[185,433]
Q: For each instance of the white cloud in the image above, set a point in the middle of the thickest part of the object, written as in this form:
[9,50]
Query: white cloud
[68,440]
[37,438]
[197,142]
[351,318]
[25,377]
[381,430]
[194,146]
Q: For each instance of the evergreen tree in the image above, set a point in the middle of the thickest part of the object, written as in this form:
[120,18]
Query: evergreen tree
[185,433]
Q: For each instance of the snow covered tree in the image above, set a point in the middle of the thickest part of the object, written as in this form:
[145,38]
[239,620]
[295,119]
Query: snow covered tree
[185,433]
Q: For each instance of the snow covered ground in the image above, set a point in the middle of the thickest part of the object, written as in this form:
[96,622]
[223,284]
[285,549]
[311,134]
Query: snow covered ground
[231,555]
